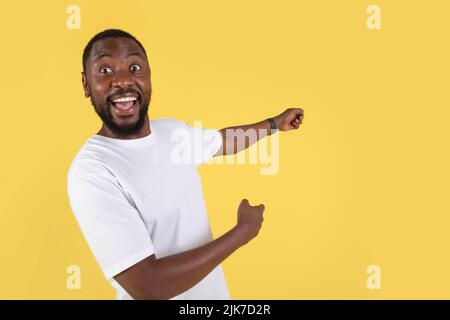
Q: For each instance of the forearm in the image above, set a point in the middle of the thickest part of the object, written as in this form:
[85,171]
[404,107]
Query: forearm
[169,276]
[177,273]
[238,138]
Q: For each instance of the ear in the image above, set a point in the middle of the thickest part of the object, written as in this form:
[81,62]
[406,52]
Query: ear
[85,85]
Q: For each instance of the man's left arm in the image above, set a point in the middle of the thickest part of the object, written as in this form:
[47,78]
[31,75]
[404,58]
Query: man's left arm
[238,138]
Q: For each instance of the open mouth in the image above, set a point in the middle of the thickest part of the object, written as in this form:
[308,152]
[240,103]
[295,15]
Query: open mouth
[124,105]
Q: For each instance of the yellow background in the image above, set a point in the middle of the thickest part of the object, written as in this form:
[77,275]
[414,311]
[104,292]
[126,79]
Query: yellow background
[364,181]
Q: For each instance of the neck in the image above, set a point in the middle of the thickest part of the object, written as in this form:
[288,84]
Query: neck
[145,131]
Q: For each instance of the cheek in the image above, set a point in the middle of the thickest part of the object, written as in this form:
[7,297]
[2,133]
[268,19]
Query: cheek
[99,90]
[144,84]
[99,85]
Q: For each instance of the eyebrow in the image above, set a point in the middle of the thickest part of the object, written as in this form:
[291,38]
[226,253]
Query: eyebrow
[105,54]
[101,55]
[134,53]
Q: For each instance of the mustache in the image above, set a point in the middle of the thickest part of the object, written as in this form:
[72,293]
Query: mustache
[122,92]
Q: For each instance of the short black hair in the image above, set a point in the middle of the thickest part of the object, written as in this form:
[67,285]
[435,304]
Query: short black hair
[108,33]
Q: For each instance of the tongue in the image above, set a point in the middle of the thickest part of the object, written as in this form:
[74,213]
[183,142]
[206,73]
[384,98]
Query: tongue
[124,105]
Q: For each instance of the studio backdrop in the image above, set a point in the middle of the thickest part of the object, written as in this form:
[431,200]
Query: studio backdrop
[357,200]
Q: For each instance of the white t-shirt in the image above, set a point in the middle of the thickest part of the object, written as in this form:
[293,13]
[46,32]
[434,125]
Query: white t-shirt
[138,197]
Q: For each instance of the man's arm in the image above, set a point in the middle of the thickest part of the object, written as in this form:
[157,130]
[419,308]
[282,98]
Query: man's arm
[238,138]
[170,276]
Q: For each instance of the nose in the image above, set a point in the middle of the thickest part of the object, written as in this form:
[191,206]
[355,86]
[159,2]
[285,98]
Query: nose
[122,79]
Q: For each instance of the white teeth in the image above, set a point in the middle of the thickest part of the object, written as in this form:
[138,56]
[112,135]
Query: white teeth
[125,99]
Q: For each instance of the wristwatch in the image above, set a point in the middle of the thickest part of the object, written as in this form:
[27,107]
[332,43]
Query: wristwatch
[273,126]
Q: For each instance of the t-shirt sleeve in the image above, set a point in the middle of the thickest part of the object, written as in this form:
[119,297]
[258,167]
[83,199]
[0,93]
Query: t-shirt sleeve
[112,226]
[205,143]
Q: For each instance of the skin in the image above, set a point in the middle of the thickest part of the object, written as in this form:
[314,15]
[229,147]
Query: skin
[291,119]
[116,66]
[167,277]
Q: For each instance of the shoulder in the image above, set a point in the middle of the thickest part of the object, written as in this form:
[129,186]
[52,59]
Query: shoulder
[170,124]
[88,162]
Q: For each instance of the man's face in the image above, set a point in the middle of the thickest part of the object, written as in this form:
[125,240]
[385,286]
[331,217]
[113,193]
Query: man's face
[117,79]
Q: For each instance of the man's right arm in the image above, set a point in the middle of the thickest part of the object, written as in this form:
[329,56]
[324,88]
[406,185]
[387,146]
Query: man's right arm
[170,276]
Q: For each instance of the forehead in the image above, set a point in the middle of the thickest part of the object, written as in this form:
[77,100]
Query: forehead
[114,47]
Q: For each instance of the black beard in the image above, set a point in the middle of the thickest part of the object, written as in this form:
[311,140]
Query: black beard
[124,131]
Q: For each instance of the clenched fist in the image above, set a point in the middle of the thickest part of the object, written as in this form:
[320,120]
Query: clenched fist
[290,119]
[249,220]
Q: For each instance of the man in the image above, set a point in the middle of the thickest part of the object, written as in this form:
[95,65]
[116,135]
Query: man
[142,214]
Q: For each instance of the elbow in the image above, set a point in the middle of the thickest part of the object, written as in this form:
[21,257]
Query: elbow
[148,295]
[152,294]
[146,280]
[146,292]
[153,289]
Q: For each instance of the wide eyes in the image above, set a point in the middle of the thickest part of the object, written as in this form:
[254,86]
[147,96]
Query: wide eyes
[135,67]
[107,70]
